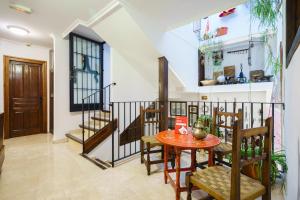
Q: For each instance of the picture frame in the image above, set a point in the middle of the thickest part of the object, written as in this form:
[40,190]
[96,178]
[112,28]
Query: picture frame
[193,114]
[178,108]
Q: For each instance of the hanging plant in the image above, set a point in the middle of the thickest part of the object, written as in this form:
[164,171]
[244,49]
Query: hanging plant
[267,12]
[272,60]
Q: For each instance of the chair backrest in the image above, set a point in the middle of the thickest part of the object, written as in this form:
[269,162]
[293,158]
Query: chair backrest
[150,120]
[256,144]
[224,120]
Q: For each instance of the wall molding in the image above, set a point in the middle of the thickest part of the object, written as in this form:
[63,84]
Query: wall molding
[99,16]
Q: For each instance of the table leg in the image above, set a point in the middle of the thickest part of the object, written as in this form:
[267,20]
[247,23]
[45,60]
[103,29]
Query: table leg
[193,160]
[166,152]
[210,157]
[178,155]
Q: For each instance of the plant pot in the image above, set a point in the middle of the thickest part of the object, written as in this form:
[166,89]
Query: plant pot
[222,31]
[198,131]
[252,170]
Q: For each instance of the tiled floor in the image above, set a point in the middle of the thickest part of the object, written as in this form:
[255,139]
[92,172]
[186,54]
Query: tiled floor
[37,169]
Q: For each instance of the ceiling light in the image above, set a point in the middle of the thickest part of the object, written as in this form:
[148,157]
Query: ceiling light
[18,30]
[20,8]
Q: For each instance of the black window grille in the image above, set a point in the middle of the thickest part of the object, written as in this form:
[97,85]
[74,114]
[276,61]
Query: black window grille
[86,72]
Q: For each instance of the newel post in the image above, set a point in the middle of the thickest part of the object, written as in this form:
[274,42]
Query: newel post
[163,91]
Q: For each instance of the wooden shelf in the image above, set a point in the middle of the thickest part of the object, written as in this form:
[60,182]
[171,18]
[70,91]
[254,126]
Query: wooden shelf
[255,87]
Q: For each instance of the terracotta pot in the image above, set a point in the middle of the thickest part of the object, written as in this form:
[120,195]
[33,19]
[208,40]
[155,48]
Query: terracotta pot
[222,31]
[252,170]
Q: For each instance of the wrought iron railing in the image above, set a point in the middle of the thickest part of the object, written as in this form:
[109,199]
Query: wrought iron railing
[95,113]
[126,138]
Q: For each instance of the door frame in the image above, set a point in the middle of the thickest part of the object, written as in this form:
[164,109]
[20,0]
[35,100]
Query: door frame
[6,61]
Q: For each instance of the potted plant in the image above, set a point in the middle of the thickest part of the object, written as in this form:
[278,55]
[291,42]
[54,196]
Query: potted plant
[278,167]
[267,13]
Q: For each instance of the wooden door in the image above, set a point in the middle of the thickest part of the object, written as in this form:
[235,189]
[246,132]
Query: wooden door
[26,101]
[51,92]
[51,101]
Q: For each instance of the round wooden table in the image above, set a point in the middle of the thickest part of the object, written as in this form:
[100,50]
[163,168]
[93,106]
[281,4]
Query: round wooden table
[184,142]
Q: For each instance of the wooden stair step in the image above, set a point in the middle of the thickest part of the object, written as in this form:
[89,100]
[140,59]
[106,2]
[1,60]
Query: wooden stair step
[102,116]
[97,118]
[105,111]
[97,126]
[93,122]
[76,135]
[74,138]
[90,127]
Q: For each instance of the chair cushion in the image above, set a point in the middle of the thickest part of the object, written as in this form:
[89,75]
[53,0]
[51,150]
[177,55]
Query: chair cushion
[152,140]
[223,148]
[216,181]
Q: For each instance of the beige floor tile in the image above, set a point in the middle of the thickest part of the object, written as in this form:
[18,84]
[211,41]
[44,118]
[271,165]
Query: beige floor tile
[37,169]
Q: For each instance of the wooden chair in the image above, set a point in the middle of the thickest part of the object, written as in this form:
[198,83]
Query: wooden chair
[222,183]
[224,120]
[151,118]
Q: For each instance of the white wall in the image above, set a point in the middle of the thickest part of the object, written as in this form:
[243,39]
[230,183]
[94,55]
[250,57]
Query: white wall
[121,33]
[16,49]
[131,85]
[64,120]
[292,127]
[182,55]
[106,65]
[238,23]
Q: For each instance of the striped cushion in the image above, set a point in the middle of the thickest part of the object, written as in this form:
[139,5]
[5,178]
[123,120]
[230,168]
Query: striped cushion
[216,182]
[152,140]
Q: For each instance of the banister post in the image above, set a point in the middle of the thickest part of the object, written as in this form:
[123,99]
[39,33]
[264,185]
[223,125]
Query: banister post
[163,91]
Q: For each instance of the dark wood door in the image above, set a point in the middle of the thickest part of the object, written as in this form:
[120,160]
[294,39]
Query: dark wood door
[51,101]
[25,98]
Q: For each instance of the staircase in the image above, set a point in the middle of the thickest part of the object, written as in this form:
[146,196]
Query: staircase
[96,126]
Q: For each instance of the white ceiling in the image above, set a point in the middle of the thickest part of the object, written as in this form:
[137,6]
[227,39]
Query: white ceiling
[49,16]
[170,14]
[55,16]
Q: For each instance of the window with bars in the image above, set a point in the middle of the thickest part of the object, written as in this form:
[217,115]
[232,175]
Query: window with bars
[86,72]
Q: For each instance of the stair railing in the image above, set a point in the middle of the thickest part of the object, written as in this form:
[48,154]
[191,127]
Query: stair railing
[126,138]
[91,106]
[106,94]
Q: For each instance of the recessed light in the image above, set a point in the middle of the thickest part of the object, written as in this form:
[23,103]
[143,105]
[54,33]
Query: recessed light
[21,8]
[18,30]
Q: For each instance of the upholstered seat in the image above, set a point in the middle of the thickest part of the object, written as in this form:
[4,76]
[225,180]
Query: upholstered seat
[152,140]
[217,182]
[223,148]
